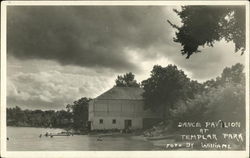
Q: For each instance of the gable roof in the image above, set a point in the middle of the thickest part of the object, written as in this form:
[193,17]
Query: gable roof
[129,93]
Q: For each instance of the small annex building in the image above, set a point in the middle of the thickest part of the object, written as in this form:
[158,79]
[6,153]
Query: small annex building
[120,108]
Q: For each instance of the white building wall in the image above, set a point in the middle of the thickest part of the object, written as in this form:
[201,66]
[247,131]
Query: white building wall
[107,123]
[120,110]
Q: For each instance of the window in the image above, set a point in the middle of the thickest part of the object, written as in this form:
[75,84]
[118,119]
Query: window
[114,121]
[101,121]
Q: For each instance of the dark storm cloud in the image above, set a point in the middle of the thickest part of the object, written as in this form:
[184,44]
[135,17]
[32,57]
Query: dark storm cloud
[57,54]
[84,36]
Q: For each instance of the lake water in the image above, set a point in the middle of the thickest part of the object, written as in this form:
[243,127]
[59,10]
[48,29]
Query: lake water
[27,139]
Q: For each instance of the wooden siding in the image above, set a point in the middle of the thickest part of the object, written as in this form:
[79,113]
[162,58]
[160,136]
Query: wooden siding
[120,110]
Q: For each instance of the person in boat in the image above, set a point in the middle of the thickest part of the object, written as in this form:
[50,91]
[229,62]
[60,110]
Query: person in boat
[51,136]
[99,138]
[7,138]
[47,134]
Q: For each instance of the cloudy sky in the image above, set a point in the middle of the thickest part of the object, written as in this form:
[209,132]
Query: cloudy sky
[57,54]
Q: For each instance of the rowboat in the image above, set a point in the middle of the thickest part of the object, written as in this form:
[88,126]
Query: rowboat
[58,134]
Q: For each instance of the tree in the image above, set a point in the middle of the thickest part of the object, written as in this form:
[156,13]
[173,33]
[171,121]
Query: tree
[127,80]
[164,88]
[203,25]
[222,101]
[233,74]
[80,113]
[211,83]
[194,87]
[224,98]
[225,103]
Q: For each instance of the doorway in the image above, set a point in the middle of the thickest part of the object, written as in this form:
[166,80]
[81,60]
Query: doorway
[127,124]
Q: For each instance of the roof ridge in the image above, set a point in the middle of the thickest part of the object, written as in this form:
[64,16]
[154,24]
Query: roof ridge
[128,93]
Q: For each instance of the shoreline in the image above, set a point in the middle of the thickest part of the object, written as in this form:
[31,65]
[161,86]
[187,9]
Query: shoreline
[36,127]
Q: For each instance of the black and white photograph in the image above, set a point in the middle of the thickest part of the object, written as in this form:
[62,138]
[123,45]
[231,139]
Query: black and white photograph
[125,77]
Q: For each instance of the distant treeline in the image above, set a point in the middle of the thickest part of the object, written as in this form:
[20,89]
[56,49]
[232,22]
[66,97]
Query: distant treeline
[38,118]
[73,117]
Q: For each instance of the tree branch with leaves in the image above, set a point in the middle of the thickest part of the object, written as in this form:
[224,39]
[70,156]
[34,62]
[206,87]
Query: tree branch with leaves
[204,25]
